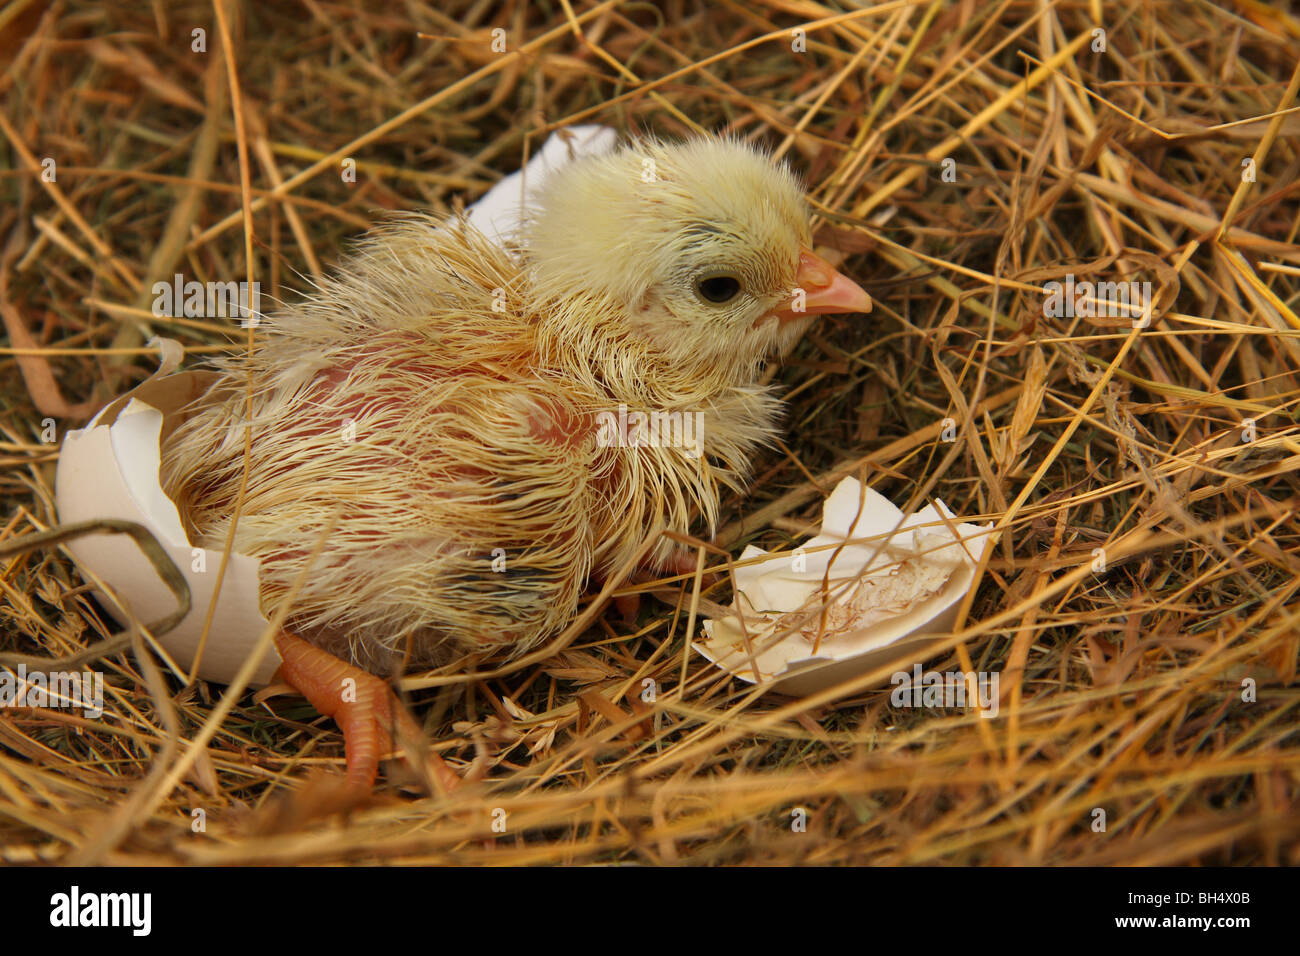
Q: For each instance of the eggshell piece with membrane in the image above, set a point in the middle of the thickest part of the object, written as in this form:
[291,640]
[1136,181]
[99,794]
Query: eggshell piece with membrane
[896,590]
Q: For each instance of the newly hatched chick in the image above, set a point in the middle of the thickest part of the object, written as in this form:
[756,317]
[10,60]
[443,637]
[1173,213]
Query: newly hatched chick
[448,404]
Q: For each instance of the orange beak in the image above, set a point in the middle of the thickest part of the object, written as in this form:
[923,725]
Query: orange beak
[820,289]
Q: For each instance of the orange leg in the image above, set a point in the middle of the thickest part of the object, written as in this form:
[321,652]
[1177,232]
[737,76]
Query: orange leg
[361,704]
[681,562]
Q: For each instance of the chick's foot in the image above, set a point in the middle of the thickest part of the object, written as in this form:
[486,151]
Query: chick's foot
[677,564]
[362,704]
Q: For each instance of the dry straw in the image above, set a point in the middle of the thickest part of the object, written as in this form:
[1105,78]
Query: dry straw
[1140,604]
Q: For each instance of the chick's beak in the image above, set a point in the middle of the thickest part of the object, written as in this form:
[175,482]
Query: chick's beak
[825,290]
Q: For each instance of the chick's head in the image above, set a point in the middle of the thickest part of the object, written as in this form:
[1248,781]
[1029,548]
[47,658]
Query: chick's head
[699,252]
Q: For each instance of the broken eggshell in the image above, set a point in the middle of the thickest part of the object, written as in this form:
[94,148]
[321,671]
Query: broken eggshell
[893,598]
[109,469]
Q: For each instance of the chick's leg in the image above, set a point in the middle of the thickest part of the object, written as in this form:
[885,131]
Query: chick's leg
[361,704]
[679,563]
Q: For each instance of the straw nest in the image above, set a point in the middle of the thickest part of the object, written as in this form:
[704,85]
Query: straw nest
[1140,604]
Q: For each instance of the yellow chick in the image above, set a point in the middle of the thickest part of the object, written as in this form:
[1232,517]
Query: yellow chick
[490,428]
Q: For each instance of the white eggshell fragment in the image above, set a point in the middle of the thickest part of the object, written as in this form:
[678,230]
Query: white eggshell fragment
[109,469]
[892,597]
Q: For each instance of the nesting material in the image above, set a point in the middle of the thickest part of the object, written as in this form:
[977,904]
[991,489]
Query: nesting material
[830,610]
[110,469]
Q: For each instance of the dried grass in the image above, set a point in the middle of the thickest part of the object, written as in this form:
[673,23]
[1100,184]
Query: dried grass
[1123,689]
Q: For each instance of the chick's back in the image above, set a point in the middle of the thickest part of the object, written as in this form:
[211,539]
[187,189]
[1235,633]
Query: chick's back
[398,403]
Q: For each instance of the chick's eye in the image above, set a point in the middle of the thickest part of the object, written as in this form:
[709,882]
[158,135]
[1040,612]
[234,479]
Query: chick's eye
[717,288]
